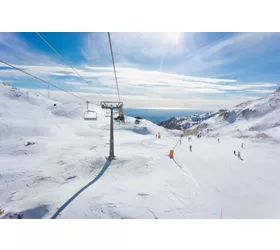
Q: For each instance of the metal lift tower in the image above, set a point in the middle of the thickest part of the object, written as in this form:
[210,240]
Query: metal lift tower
[111,105]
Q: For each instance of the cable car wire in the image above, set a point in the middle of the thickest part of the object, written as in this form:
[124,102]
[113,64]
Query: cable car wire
[114,66]
[14,67]
[64,60]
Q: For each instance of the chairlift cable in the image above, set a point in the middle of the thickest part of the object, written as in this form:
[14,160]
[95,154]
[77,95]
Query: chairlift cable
[114,66]
[65,61]
[14,67]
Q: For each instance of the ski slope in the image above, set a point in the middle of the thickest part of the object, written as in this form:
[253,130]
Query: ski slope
[65,173]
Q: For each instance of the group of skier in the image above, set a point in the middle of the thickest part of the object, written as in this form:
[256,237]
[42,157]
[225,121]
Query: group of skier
[199,136]
[238,153]
[234,152]
[189,139]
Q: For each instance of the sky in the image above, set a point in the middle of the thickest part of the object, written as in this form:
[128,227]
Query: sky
[200,71]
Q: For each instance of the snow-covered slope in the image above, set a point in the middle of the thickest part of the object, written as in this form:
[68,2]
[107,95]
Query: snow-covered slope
[254,119]
[182,123]
[63,173]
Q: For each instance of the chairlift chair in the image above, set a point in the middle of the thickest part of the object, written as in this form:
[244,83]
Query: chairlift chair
[90,115]
[108,113]
[117,107]
[115,113]
[119,116]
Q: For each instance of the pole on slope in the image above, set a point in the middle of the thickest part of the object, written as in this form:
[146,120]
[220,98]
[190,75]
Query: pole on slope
[111,105]
[112,155]
[171,152]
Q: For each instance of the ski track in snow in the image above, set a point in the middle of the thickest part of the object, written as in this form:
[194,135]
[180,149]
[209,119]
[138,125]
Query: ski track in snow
[65,175]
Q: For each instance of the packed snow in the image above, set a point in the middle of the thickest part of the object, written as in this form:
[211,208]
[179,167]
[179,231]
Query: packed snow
[53,165]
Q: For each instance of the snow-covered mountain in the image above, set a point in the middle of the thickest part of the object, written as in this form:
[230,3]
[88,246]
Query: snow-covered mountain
[254,119]
[52,165]
[182,123]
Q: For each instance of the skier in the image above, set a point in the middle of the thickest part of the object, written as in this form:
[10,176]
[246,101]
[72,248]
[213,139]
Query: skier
[218,140]
[234,152]
[181,136]
[242,145]
[191,148]
[239,156]
[158,135]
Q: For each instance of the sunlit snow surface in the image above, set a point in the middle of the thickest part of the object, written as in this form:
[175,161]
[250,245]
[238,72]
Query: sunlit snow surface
[65,173]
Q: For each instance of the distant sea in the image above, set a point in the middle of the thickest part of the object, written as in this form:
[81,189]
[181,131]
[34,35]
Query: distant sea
[160,115]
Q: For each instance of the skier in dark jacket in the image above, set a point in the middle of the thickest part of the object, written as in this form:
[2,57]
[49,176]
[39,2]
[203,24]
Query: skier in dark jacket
[191,148]
[239,156]
[181,137]
[234,152]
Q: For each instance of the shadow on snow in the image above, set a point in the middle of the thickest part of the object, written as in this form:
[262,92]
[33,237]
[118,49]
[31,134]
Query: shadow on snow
[107,164]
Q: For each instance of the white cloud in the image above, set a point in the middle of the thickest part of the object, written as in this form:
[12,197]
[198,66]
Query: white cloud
[141,101]
[140,87]
[16,50]
[239,42]
[135,81]
[244,86]
[137,44]
[73,83]
[260,91]
[225,51]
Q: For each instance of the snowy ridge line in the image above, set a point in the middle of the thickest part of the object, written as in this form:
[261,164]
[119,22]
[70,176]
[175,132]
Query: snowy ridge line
[103,170]
[186,122]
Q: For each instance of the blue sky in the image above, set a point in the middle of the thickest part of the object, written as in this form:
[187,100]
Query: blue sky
[155,70]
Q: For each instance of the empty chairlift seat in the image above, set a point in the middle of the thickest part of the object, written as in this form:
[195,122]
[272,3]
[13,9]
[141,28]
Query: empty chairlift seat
[90,115]
[115,114]
[108,113]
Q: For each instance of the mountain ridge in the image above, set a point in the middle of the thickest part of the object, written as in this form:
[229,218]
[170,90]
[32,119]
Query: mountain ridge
[258,118]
